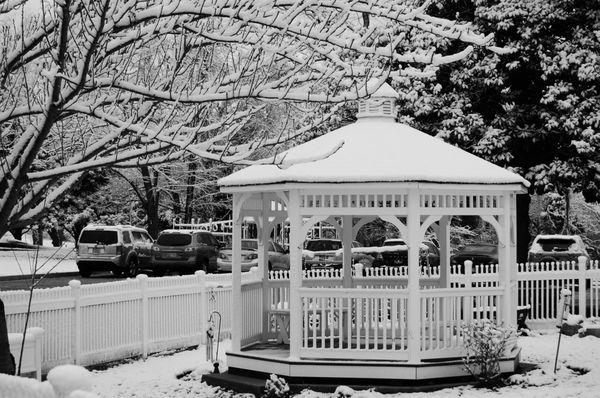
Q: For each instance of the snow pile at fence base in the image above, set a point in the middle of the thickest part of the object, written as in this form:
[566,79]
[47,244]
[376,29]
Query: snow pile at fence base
[67,381]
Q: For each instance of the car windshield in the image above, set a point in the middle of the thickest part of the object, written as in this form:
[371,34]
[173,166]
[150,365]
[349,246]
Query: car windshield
[554,244]
[394,243]
[249,245]
[99,237]
[174,239]
[323,245]
[246,245]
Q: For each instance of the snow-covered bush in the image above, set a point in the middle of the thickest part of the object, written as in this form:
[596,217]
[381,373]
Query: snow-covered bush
[485,343]
[66,381]
[276,387]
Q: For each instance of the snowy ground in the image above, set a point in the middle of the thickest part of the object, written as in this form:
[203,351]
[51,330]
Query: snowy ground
[49,259]
[157,376]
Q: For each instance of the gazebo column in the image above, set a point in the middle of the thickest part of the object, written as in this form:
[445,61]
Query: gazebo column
[295,274]
[236,276]
[505,259]
[264,232]
[413,320]
[444,242]
[347,247]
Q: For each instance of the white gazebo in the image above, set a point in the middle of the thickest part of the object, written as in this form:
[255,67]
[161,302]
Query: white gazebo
[359,327]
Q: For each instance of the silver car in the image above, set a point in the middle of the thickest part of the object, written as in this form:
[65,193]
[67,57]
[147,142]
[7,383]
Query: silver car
[279,259]
[122,249]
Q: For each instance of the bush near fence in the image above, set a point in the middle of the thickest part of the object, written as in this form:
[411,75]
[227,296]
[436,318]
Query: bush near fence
[90,324]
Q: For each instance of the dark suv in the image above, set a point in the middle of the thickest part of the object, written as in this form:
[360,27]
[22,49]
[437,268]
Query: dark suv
[552,248]
[184,251]
[122,249]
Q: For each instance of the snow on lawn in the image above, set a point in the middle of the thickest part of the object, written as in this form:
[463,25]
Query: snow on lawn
[49,259]
[19,261]
[157,376]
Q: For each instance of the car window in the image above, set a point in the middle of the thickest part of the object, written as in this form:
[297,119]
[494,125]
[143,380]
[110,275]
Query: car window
[137,236]
[99,236]
[147,237]
[215,241]
[394,243]
[174,239]
[549,245]
[206,239]
[323,245]
[126,237]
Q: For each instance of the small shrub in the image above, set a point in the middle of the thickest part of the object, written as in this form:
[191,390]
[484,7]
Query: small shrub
[276,387]
[485,342]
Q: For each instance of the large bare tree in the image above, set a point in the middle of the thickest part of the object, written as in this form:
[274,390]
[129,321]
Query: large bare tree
[128,83]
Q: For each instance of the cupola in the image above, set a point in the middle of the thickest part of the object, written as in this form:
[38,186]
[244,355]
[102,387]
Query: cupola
[380,105]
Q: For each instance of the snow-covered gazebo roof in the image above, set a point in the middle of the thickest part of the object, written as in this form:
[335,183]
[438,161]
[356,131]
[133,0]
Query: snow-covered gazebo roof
[375,149]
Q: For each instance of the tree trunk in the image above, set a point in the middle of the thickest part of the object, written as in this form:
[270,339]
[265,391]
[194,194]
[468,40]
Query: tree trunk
[7,362]
[523,236]
[56,235]
[567,225]
[189,190]
[37,235]
[152,199]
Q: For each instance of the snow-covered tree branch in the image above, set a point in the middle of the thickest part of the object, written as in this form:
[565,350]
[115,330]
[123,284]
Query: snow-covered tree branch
[127,83]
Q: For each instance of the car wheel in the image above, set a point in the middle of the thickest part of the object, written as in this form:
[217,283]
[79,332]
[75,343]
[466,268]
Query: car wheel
[158,272]
[132,267]
[548,260]
[270,266]
[117,272]
[85,273]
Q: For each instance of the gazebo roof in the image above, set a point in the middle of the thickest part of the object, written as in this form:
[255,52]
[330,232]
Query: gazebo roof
[375,150]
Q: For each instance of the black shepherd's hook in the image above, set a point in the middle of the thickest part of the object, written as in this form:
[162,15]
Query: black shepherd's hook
[216,363]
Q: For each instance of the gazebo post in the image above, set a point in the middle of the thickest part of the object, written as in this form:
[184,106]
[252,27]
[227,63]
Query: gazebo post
[295,274]
[505,262]
[347,247]
[263,269]
[236,275]
[414,295]
[444,242]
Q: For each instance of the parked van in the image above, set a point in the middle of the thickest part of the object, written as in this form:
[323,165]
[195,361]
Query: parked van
[121,249]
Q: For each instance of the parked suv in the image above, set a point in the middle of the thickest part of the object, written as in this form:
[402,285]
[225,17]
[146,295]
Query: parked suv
[552,248]
[328,253]
[279,259]
[122,249]
[394,253]
[184,251]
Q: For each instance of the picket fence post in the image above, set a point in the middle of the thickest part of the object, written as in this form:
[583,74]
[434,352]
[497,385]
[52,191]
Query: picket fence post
[75,286]
[582,260]
[143,282]
[201,278]
[468,274]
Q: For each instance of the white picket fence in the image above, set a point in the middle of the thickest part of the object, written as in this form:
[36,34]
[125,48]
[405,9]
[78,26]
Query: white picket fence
[89,324]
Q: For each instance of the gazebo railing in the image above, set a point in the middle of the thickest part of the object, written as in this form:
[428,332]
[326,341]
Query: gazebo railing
[252,327]
[353,323]
[444,313]
[372,323]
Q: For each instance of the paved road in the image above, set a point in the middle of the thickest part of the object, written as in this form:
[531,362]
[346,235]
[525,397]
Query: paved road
[21,283]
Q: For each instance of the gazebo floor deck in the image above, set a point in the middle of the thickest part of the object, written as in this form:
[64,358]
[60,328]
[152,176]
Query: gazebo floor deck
[268,358]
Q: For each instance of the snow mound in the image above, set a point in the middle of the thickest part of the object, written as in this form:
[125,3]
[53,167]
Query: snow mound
[71,381]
